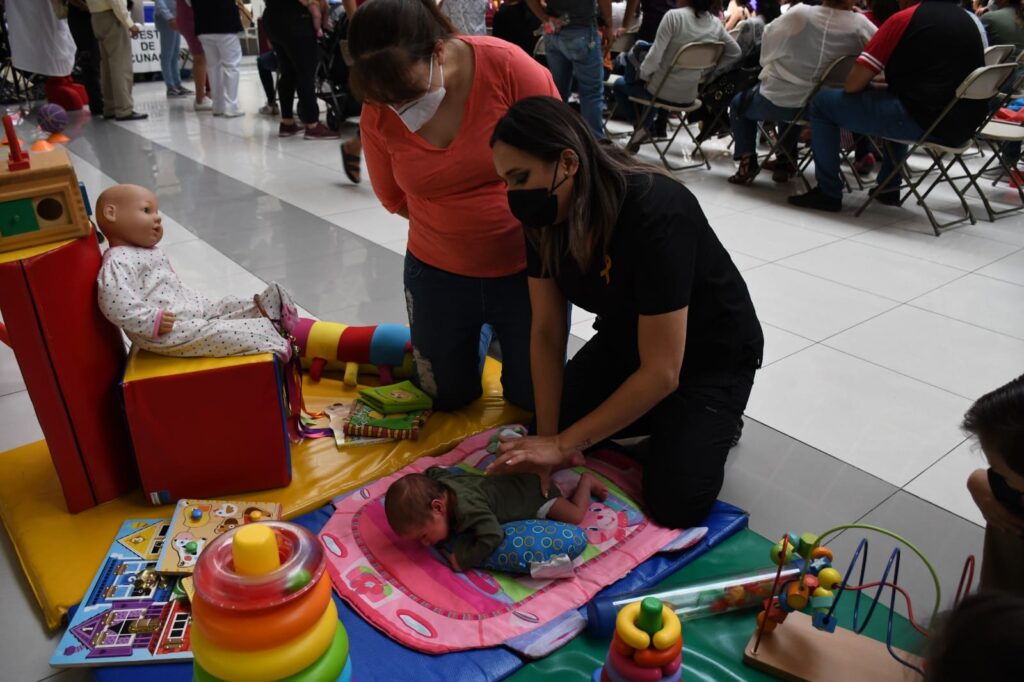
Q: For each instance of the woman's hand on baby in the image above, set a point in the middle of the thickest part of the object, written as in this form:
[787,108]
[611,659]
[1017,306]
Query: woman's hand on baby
[530,454]
[992,509]
[166,323]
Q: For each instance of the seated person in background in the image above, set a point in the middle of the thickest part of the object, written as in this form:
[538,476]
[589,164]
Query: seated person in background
[997,420]
[690,23]
[880,10]
[926,51]
[737,11]
[140,292]
[967,6]
[515,22]
[751,31]
[1005,25]
[796,49]
[432,506]
[980,640]
[651,14]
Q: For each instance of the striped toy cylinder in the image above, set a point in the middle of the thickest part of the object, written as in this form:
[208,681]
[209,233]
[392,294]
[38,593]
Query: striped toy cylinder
[383,349]
[263,611]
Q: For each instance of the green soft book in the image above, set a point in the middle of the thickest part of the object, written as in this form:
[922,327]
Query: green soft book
[395,398]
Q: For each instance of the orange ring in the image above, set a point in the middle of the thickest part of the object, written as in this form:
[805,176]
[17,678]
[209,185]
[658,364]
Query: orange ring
[655,658]
[263,629]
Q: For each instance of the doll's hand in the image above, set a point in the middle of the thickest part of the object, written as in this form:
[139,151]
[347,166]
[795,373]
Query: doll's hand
[994,512]
[166,323]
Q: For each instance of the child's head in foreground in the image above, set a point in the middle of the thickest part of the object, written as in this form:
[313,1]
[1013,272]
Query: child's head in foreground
[997,419]
[980,640]
[417,508]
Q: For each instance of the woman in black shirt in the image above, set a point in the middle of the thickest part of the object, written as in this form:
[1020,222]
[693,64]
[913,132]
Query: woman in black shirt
[677,340]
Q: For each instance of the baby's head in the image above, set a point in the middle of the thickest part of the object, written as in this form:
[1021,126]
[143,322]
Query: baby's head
[129,215]
[417,508]
[997,419]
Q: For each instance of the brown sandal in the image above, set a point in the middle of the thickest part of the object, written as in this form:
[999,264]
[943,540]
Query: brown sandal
[747,171]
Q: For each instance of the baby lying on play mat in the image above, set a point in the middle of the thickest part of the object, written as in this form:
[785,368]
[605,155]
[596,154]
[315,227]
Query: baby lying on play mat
[430,507]
[140,292]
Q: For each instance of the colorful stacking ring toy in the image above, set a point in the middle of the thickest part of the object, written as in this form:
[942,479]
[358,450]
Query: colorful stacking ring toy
[301,565]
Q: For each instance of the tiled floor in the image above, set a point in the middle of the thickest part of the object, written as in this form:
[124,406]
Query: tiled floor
[878,335]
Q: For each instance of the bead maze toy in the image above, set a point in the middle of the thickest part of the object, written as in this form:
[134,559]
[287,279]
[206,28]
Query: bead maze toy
[647,645]
[384,349]
[262,609]
[709,597]
[799,651]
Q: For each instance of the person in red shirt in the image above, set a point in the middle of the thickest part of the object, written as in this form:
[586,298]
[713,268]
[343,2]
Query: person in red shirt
[431,101]
[925,51]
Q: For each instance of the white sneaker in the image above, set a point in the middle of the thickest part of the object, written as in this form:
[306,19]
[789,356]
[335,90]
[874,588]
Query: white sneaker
[205,105]
[233,114]
[218,113]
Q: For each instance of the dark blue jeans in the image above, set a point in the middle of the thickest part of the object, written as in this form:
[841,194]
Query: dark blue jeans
[575,53]
[872,112]
[451,318]
[630,85]
[749,107]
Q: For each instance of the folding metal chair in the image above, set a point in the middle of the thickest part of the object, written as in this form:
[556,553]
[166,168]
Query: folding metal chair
[834,76]
[701,57]
[981,84]
[997,54]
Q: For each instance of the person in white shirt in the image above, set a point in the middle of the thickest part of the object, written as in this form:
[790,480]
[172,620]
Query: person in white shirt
[795,51]
[690,23]
[114,29]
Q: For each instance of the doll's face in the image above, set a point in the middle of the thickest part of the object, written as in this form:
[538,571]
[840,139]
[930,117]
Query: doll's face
[129,215]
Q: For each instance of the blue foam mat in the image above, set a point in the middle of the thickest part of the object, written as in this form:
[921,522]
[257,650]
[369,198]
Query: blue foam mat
[375,657]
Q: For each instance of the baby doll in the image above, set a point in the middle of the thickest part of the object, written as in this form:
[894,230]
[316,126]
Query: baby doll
[140,292]
[431,506]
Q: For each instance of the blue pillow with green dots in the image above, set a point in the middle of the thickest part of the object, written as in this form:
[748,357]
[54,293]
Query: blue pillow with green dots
[534,541]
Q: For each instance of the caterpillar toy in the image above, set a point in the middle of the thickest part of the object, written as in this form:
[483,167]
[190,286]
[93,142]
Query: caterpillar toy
[384,349]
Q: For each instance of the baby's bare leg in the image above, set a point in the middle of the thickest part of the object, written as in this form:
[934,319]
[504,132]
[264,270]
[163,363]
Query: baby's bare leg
[572,510]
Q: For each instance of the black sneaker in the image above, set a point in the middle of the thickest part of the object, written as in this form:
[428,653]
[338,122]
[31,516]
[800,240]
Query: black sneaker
[134,116]
[817,200]
[890,197]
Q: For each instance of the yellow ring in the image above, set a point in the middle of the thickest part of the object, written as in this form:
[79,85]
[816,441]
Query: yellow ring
[671,629]
[269,664]
[625,625]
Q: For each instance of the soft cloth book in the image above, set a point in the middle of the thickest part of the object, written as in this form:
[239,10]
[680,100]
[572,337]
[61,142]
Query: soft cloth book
[396,398]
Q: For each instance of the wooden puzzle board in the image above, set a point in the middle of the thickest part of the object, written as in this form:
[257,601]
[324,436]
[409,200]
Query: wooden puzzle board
[201,522]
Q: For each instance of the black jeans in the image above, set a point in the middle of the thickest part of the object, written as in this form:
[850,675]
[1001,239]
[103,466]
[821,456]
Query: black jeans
[266,65]
[290,31]
[446,314]
[690,431]
[88,57]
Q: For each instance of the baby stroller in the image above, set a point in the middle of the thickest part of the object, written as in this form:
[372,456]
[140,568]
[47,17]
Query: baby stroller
[332,71]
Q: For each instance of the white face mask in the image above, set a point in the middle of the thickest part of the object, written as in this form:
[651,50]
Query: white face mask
[415,114]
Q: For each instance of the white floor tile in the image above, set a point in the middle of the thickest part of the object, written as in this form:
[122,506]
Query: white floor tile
[198,264]
[836,224]
[766,239]
[982,301]
[944,484]
[955,248]
[809,306]
[581,315]
[1005,230]
[1009,269]
[744,262]
[874,419]
[877,271]
[958,357]
[583,330]
[18,423]
[779,344]
[10,373]
[375,224]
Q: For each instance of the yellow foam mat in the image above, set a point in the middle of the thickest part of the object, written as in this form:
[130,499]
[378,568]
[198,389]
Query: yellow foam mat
[60,552]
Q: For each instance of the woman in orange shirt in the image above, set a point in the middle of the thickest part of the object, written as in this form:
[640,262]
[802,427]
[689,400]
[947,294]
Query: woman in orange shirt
[431,101]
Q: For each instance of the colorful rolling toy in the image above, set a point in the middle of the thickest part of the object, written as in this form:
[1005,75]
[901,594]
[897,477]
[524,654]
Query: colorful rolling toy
[384,349]
[647,645]
[263,610]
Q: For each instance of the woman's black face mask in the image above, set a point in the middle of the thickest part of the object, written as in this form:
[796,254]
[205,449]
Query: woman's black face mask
[538,207]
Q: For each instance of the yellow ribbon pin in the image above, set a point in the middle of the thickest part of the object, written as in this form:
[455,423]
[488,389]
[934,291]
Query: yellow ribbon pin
[606,273]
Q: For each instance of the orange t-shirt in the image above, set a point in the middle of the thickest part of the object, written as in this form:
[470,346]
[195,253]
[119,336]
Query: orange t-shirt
[459,220]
